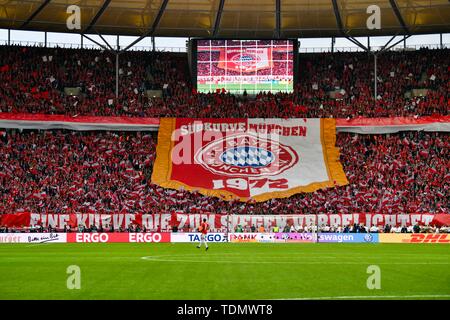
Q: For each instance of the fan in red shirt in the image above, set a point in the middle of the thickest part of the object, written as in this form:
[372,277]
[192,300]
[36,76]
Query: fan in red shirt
[204,230]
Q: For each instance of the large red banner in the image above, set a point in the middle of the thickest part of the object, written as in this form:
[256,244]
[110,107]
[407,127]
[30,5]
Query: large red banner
[15,220]
[360,125]
[244,159]
[165,221]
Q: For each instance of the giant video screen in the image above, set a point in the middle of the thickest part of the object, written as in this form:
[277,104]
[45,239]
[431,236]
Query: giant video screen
[245,65]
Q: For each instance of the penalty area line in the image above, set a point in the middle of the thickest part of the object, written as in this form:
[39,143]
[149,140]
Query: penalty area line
[170,259]
[371,297]
[38,244]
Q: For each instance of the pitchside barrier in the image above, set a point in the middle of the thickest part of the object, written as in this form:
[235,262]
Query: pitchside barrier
[223,237]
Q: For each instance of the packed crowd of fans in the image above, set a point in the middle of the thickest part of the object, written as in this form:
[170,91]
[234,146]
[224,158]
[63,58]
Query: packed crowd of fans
[110,172]
[352,76]
[133,227]
[33,81]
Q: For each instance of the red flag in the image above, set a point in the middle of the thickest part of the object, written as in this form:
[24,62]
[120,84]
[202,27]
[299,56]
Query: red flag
[409,180]
[15,220]
[424,153]
[4,68]
[73,220]
[44,94]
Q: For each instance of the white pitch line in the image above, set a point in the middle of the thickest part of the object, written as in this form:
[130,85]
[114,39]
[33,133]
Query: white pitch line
[38,244]
[158,259]
[370,297]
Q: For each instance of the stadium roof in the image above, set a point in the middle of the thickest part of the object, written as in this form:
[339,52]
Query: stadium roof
[229,18]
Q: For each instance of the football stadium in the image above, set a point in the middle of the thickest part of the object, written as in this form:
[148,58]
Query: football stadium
[225,150]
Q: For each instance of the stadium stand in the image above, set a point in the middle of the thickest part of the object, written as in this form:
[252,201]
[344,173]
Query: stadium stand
[109,172]
[411,83]
[35,78]
[105,172]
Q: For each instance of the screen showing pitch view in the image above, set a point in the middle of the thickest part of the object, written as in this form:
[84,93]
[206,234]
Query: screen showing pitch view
[245,65]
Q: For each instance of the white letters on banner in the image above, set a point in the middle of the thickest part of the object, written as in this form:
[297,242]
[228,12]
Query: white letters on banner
[218,222]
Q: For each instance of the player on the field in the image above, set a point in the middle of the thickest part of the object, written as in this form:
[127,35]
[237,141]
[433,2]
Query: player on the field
[204,230]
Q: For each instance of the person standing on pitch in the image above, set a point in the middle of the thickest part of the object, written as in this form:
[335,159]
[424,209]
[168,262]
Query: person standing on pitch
[204,230]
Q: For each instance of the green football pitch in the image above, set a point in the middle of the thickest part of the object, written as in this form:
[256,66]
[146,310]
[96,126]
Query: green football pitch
[226,271]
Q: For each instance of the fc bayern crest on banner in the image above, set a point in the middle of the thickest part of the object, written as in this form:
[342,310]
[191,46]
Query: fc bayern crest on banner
[246,155]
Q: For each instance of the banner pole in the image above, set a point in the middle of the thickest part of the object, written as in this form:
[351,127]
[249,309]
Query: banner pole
[317,228]
[228,225]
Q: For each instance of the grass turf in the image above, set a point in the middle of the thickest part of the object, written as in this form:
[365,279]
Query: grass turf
[226,271]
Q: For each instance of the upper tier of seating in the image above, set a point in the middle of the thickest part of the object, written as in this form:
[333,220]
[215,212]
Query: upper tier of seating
[33,81]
